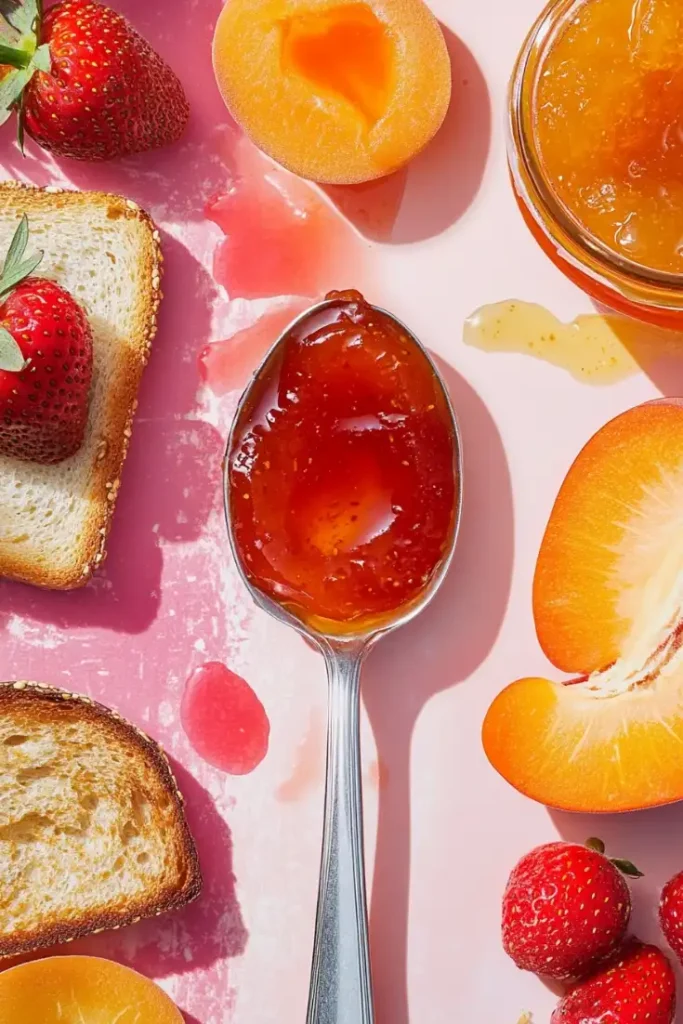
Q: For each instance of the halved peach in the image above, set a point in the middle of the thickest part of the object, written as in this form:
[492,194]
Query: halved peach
[338,91]
[64,989]
[608,605]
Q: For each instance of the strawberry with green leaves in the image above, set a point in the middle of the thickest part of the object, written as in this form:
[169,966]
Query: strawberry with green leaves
[566,907]
[84,83]
[637,986]
[46,361]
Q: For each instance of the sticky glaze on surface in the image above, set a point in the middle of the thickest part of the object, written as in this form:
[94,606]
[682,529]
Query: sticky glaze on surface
[595,349]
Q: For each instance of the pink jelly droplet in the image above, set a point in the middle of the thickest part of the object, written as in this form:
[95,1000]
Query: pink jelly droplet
[224,720]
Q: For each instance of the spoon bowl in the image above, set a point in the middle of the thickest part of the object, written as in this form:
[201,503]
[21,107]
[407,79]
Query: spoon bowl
[341,991]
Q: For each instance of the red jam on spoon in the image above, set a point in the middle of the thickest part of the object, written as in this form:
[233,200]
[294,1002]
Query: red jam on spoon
[341,472]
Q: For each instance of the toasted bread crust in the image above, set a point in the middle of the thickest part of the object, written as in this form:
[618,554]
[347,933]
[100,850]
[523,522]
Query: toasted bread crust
[122,405]
[25,694]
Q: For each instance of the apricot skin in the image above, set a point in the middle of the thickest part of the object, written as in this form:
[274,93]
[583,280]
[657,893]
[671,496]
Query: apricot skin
[324,120]
[82,988]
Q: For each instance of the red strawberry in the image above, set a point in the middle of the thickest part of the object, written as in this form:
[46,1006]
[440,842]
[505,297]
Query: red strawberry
[565,908]
[86,85]
[46,359]
[671,914]
[636,987]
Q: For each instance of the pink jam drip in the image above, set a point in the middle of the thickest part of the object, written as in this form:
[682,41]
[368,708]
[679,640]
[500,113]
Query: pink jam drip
[281,236]
[225,365]
[224,720]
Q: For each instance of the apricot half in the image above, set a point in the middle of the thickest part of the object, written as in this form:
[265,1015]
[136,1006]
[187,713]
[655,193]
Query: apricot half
[608,606]
[338,91]
[80,989]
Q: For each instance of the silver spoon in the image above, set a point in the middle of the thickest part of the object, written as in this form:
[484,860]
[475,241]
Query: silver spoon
[341,986]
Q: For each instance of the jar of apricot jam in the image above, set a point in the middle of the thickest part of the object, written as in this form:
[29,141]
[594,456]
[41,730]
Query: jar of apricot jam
[596,149]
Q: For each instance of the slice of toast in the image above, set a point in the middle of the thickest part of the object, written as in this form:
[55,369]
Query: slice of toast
[104,249]
[92,829]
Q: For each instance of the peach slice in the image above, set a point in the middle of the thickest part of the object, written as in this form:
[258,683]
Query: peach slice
[62,989]
[338,91]
[608,606]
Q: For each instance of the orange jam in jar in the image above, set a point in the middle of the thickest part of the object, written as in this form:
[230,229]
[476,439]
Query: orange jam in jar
[342,471]
[597,148]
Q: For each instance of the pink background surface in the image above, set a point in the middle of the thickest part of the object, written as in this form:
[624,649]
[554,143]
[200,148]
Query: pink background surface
[443,830]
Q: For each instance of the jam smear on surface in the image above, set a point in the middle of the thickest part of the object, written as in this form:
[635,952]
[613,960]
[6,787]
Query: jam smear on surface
[281,236]
[226,365]
[595,349]
[342,475]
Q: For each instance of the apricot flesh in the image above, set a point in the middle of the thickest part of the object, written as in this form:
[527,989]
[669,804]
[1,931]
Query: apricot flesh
[337,91]
[343,50]
[608,605]
[605,541]
[82,990]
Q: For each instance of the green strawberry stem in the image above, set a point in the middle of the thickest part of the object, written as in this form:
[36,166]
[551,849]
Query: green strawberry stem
[627,867]
[20,23]
[15,270]
[15,57]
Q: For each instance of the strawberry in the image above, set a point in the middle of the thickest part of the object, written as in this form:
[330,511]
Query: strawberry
[565,908]
[636,987]
[85,84]
[671,914]
[46,360]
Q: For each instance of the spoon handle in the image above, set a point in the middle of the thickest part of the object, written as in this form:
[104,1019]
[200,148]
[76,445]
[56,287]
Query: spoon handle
[341,990]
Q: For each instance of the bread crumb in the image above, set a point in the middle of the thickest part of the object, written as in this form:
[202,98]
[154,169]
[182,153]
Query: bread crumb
[525,1018]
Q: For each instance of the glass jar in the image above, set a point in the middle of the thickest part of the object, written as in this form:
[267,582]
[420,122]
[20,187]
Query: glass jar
[606,275]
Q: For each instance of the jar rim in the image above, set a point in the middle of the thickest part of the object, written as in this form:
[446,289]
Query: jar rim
[527,169]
